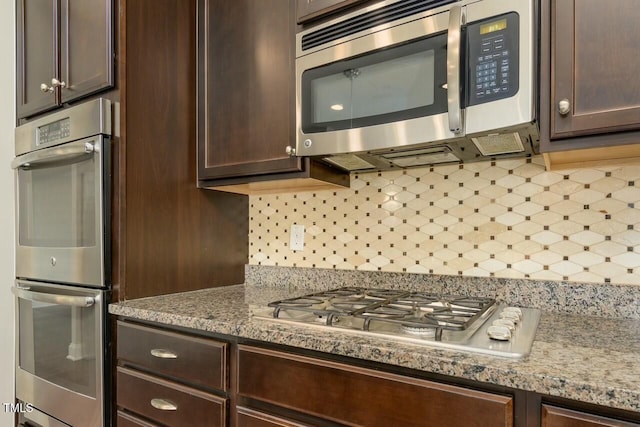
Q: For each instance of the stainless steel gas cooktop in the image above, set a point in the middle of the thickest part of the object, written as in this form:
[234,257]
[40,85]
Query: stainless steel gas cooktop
[464,323]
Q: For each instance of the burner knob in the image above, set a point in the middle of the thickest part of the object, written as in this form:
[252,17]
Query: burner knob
[510,315]
[514,310]
[500,333]
[505,322]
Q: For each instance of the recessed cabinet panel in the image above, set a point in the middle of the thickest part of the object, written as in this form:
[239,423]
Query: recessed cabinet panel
[64,52]
[246,98]
[37,46]
[560,417]
[86,52]
[594,67]
[358,396]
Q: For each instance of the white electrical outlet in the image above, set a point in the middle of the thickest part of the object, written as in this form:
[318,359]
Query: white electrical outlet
[296,240]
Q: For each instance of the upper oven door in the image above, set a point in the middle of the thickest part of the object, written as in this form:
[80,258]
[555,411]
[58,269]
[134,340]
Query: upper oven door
[61,212]
[377,89]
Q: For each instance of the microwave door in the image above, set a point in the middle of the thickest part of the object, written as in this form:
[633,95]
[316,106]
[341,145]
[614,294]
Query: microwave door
[386,88]
[59,214]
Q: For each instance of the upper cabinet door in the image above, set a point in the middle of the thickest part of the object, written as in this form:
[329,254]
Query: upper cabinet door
[37,60]
[312,9]
[246,111]
[594,67]
[86,47]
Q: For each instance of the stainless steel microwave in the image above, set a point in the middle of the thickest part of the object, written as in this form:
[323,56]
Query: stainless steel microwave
[414,82]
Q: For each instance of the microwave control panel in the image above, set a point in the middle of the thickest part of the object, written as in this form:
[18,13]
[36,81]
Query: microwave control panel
[493,58]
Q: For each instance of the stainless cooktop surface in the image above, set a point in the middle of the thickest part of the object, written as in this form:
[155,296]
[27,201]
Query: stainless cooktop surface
[464,323]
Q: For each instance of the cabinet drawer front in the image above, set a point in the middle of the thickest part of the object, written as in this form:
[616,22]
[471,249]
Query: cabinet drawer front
[128,420]
[252,418]
[560,417]
[166,402]
[198,361]
[359,396]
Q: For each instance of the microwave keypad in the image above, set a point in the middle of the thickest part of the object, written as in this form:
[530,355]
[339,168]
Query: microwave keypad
[493,59]
[492,70]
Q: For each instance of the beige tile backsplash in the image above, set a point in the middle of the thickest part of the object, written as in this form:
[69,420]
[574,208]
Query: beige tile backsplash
[508,218]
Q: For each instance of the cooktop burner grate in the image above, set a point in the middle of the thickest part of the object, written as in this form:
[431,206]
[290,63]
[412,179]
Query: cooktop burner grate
[412,312]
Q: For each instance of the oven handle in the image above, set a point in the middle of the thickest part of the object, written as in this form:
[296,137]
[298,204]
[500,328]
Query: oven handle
[54,154]
[68,300]
[456,18]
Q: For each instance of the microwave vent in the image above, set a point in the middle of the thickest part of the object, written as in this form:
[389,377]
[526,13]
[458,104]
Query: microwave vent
[383,15]
[349,162]
[423,157]
[506,143]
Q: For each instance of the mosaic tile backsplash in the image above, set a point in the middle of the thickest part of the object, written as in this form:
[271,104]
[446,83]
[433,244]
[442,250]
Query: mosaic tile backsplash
[508,218]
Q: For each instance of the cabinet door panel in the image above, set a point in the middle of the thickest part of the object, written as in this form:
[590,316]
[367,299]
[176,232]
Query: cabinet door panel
[252,418]
[37,62]
[246,81]
[594,66]
[559,417]
[358,396]
[86,47]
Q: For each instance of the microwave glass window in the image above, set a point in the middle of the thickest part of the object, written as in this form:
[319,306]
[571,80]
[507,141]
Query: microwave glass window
[58,204]
[58,344]
[393,84]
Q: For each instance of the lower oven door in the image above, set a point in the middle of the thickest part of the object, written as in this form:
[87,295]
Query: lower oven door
[60,351]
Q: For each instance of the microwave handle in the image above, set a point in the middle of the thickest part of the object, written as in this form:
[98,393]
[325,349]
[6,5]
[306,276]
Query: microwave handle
[68,300]
[454,36]
[54,154]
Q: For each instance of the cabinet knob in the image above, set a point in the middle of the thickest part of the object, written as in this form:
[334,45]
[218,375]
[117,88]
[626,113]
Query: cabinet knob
[564,106]
[57,83]
[290,150]
[46,88]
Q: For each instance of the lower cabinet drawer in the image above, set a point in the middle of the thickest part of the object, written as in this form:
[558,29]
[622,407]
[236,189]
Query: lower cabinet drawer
[358,396]
[168,403]
[559,417]
[128,420]
[252,418]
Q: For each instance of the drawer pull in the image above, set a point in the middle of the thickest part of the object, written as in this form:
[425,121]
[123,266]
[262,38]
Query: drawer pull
[164,405]
[163,354]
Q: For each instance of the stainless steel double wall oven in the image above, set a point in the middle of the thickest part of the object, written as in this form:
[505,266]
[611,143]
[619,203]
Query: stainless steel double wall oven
[63,174]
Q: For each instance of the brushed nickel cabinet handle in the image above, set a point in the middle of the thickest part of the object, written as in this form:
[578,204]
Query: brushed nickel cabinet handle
[164,404]
[57,83]
[163,354]
[46,88]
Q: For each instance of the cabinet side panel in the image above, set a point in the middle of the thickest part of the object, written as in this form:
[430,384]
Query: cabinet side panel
[177,237]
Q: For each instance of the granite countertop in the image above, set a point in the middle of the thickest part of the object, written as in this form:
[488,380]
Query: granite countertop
[581,357]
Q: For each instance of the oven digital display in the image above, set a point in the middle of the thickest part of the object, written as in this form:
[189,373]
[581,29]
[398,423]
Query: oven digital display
[491,27]
[53,131]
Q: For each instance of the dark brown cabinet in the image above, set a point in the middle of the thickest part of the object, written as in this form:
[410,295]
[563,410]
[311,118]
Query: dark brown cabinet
[65,51]
[246,101]
[168,235]
[590,93]
[170,378]
[553,416]
[308,10]
[352,395]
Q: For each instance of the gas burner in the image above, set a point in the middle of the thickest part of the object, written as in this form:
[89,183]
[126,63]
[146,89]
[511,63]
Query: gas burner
[445,321]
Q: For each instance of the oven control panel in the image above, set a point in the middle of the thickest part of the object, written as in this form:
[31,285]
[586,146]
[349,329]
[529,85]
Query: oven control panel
[54,131]
[493,55]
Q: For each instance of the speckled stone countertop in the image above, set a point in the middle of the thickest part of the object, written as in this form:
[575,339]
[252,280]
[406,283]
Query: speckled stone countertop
[582,357]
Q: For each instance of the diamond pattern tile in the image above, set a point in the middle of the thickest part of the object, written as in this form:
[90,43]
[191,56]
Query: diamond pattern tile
[508,218]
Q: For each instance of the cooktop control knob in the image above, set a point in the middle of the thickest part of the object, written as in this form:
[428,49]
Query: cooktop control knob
[498,332]
[511,315]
